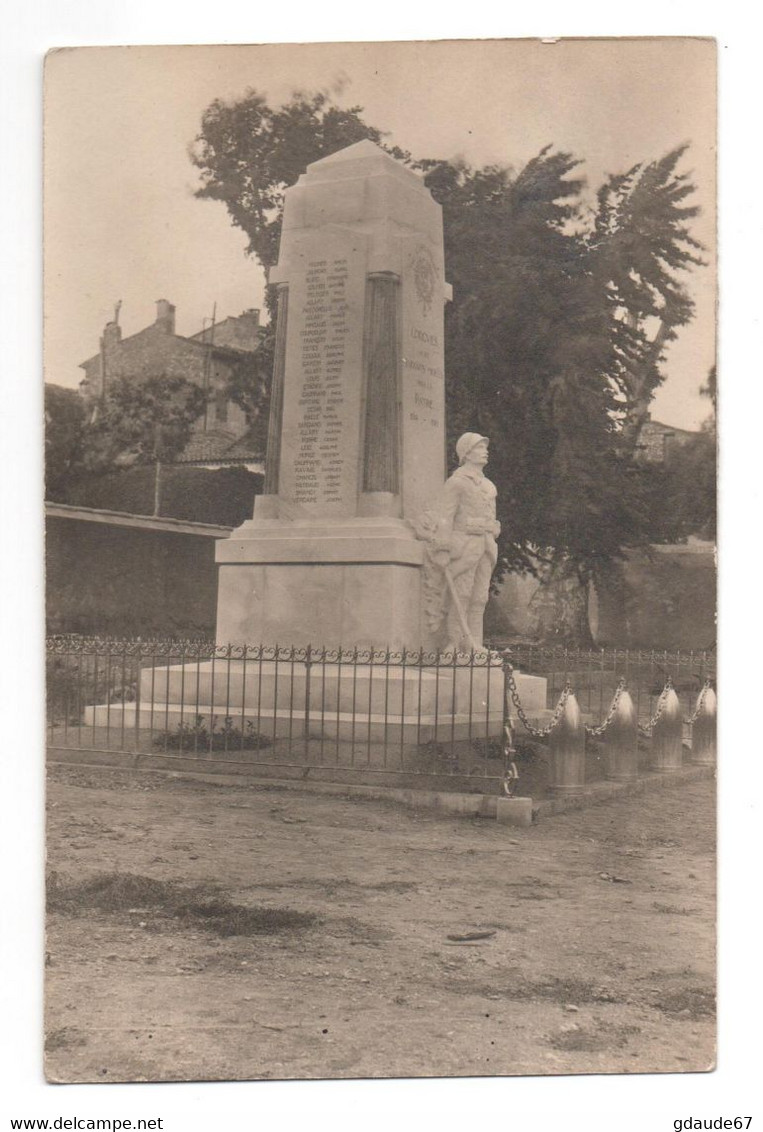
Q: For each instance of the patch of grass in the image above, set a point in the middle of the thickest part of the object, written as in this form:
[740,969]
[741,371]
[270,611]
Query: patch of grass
[672,909]
[199,906]
[63,1038]
[690,1003]
[397,886]
[591,1039]
[225,918]
[436,758]
[108,892]
[571,990]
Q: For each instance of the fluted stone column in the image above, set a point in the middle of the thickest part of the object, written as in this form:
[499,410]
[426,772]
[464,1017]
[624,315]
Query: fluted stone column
[275,421]
[381,352]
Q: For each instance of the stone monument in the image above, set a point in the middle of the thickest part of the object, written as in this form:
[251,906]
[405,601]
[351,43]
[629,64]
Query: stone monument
[357,543]
[356,440]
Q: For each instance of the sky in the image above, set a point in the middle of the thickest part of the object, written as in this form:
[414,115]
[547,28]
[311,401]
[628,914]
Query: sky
[122,223]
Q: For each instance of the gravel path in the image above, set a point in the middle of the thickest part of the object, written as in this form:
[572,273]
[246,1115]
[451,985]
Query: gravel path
[597,948]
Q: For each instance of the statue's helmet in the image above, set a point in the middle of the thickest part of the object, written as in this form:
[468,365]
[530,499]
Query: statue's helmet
[465,443]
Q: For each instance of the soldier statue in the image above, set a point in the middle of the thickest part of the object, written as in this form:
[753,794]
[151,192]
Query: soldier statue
[461,552]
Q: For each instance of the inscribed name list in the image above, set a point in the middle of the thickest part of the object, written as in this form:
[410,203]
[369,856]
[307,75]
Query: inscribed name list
[323,388]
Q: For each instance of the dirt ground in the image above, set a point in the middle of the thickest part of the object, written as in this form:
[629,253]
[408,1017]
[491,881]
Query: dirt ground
[598,953]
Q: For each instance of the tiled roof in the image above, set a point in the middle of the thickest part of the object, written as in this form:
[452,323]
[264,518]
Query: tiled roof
[217,446]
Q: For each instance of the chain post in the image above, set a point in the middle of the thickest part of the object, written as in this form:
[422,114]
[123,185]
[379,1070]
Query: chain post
[706,687]
[567,742]
[703,737]
[667,733]
[622,739]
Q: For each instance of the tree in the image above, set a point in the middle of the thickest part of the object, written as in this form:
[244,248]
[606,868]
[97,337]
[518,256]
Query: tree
[530,356]
[641,246]
[556,332]
[247,154]
[710,390]
[683,498]
[143,422]
[64,428]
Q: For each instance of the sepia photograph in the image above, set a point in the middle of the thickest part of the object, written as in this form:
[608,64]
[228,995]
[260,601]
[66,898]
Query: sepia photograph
[380,390]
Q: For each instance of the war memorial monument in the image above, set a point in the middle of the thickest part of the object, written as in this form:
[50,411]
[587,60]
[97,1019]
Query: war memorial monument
[359,547]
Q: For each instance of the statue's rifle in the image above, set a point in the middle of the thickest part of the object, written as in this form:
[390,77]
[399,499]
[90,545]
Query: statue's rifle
[459,608]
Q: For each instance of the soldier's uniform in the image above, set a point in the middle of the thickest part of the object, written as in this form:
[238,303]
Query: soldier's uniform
[467,530]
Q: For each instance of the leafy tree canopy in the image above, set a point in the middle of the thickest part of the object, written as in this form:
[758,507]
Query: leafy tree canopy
[248,153]
[561,312]
[64,428]
[143,422]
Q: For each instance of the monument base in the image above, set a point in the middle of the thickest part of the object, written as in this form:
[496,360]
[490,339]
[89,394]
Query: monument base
[360,704]
[335,584]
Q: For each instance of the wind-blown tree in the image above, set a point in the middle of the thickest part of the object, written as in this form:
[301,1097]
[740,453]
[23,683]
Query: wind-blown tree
[248,153]
[64,429]
[558,323]
[143,422]
[641,248]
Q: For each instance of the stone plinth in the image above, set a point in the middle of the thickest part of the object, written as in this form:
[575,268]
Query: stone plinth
[356,440]
[369,703]
[329,584]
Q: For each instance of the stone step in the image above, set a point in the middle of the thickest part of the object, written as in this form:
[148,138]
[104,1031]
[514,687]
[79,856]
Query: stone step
[366,689]
[359,727]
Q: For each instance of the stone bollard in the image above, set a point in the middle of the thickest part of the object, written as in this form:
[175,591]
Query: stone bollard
[621,740]
[703,742]
[567,742]
[667,753]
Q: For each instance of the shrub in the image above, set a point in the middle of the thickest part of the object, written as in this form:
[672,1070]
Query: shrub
[197,736]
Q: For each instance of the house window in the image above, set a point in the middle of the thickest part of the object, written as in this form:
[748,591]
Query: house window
[221,407]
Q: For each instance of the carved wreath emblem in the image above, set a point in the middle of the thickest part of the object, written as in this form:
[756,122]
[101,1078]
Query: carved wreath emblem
[424,276]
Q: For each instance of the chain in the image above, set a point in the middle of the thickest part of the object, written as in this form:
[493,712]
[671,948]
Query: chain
[536,732]
[647,731]
[700,702]
[544,732]
[595,731]
[511,774]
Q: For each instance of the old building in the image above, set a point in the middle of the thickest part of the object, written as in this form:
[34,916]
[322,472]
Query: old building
[657,441]
[210,358]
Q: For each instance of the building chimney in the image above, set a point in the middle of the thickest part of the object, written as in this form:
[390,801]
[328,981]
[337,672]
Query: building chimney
[247,329]
[165,316]
[112,335]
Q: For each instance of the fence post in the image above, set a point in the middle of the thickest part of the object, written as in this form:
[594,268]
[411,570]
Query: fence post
[567,742]
[703,741]
[667,753]
[621,741]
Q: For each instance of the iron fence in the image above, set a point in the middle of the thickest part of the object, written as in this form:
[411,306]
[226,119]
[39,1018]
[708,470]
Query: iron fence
[342,715]
[296,710]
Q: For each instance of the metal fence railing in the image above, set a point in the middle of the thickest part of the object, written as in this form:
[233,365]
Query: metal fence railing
[342,715]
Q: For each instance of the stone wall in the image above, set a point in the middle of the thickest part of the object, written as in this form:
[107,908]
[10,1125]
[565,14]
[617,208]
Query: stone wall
[112,579]
[666,599]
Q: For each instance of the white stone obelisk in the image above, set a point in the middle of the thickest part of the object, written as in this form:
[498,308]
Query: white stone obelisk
[356,442]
